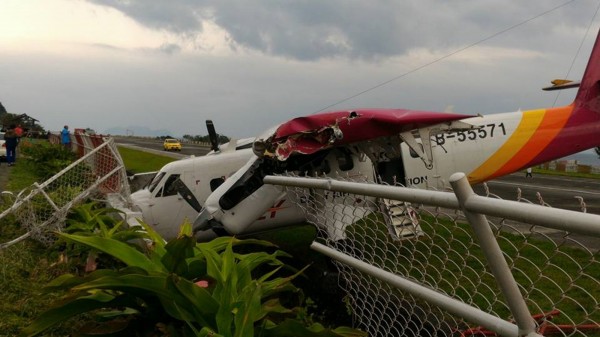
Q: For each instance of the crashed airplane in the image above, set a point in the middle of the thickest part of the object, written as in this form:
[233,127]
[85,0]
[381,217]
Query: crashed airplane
[223,193]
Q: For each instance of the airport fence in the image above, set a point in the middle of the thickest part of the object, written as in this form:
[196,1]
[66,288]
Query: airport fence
[432,263]
[42,208]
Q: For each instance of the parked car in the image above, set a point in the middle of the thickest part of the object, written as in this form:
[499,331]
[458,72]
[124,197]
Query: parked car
[2,146]
[171,144]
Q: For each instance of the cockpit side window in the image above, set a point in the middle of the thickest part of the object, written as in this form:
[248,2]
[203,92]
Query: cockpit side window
[155,181]
[215,183]
[169,188]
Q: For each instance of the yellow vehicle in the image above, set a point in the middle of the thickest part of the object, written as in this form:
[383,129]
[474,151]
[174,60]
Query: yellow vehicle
[171,144]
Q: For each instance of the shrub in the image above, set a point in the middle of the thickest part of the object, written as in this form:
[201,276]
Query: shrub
[185,288]
[48,159]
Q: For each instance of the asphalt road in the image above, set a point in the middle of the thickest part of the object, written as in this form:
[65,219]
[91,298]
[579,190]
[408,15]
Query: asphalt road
[187,149]
[556,191]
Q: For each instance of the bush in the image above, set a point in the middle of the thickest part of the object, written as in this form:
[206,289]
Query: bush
[48,159]
[185,288]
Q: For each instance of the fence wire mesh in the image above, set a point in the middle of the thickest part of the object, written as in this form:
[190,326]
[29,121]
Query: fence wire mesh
[557,274]
[42,208]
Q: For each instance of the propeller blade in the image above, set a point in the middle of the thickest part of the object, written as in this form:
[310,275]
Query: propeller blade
[187,195]
[212,135]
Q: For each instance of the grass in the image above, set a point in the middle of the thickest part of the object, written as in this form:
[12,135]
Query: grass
[551,273]
[566,174]
[137,161]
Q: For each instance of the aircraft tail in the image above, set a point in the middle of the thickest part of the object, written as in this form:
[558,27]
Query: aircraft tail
[574,128]
[587,100]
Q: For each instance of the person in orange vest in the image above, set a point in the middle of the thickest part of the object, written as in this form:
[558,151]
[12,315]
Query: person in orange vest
[19,131]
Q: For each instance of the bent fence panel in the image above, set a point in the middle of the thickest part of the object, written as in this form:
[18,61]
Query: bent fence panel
[428,263]
[43,207]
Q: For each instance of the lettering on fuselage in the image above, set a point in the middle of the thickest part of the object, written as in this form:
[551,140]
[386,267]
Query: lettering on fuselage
[416,180]
[481,132]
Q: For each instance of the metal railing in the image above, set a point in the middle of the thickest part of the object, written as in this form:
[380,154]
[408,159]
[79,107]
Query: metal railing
[434,273]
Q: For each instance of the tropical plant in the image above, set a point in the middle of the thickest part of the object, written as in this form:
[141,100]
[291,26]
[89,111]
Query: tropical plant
[185,288]
[93,219]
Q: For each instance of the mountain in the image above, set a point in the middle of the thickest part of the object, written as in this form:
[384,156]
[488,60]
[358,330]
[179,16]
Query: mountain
[137,131]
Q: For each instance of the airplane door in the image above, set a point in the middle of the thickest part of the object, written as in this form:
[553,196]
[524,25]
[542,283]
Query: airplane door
[391,172]
[166,211]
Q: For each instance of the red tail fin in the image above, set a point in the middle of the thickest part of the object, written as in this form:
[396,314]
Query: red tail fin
[588,97]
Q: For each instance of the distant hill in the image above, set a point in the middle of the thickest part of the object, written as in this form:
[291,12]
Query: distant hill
[137,131]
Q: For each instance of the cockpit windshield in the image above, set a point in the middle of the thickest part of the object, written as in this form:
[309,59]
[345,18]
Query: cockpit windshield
[155,181]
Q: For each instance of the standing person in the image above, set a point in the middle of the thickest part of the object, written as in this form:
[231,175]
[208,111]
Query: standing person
[528,173]
[19,131]
[11,145]
[65,137]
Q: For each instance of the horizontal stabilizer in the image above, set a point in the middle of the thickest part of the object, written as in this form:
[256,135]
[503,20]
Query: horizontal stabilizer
[562,84]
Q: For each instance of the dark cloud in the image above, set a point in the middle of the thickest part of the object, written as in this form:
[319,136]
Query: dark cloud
[180,16]
[310,30]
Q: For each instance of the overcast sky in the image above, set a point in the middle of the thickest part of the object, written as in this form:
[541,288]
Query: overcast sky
[250,64]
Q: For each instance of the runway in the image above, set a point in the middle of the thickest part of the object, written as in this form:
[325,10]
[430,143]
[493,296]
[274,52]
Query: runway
[578,194]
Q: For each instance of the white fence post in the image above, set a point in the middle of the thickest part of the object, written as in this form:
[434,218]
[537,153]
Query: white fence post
[494,257]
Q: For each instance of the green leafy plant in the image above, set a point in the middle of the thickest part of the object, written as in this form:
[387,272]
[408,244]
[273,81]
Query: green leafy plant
[185,288]
[48,159]
[93,219]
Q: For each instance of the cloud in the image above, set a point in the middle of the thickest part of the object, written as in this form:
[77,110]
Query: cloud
[310,30]
[249,65]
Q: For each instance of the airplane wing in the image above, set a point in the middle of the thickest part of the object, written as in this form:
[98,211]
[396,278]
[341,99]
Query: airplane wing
[309,134]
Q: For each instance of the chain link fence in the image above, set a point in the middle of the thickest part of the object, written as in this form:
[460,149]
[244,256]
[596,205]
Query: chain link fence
[415,266]
[41,208]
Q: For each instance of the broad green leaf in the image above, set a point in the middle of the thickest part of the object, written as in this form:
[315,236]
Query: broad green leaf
[206,332]
[134,284]
[213,264]
[60,314]
[268,275]
[253,260]
[225,314]
[280,284]
[67,281]
[197,268]
[185,229]
[272,306]
[228,266]
[194,300]
[248,311]
[116,249]
[159,242]
[177,251]
[219,244]
[198,296]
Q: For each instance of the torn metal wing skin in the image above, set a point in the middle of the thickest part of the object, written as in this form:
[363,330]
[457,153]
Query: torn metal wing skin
[309,134]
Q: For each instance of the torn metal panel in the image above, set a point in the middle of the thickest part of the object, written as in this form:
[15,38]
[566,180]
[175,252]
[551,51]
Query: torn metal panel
[307,135]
